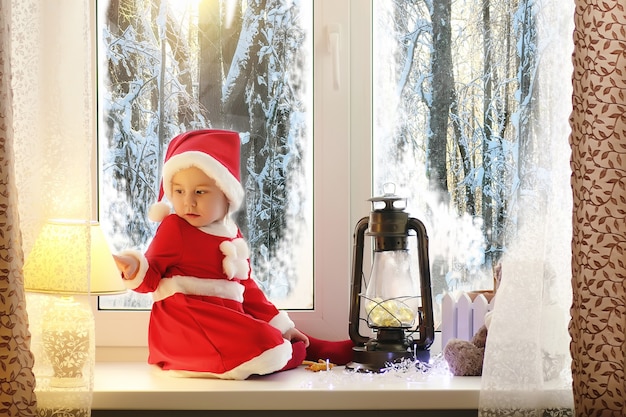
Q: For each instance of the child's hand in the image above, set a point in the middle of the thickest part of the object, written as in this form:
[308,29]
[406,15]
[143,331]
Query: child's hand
[295,335]
[127,265]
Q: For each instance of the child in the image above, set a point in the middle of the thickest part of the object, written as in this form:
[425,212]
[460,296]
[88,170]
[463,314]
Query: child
[209,317]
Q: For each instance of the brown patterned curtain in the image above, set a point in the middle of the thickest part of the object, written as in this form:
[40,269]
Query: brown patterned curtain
[598,143]
[17,382]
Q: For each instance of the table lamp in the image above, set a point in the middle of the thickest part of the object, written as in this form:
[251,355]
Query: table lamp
[70,258]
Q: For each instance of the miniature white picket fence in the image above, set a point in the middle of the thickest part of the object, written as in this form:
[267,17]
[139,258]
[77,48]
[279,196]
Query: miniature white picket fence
[461,317]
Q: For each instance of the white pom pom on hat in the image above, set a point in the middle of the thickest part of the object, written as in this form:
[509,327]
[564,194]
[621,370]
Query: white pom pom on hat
[159,211]
[215,152]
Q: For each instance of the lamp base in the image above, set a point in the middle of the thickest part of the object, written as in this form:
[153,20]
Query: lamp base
[63,402]
[67,334]
[377,357]
[69,412]
[67,382]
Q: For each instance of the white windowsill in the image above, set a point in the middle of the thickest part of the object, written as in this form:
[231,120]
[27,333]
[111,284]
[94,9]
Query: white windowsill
[135,386]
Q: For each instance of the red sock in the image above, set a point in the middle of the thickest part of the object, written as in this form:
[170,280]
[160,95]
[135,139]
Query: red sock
[339,352]
[297,356]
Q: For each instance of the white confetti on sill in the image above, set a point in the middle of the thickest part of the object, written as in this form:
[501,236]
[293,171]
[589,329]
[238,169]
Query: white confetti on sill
[408,370]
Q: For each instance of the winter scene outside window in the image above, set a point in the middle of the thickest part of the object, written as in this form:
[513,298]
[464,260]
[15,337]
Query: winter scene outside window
[168,66]
[462,123]
[464,107]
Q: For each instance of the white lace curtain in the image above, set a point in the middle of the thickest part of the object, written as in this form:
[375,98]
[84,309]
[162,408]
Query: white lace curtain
[527,363]
[533,365]
[53,84]
[47,132]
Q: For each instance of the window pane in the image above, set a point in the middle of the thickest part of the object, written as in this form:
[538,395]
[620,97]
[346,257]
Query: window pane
[454,109]
[167,66]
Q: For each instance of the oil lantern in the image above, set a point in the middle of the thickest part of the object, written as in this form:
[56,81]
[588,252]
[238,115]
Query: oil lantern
[396,303]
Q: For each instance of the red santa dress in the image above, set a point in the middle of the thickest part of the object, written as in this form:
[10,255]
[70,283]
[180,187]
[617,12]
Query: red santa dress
[209,317]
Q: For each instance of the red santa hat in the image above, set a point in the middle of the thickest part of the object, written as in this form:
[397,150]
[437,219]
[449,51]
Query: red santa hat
[215,152]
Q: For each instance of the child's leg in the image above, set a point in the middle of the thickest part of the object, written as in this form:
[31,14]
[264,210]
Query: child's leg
[339,352]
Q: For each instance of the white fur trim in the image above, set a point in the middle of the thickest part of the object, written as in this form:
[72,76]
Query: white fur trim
[225,228]
[158,211]
[221,288]
[270,361]
[226,181]
[282,322]
[236,254]
[131,284]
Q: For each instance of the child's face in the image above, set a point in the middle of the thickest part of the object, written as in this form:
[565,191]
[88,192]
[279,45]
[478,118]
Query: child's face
[196,197]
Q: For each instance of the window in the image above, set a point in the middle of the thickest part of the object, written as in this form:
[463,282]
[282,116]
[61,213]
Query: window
[468,122]
[332,236]
[445,112]
[228,65]
[449,106]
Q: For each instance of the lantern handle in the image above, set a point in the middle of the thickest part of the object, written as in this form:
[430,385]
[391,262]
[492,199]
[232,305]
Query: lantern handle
[357,276]
[426,326]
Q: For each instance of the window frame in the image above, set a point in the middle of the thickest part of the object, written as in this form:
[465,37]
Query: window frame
[342,126]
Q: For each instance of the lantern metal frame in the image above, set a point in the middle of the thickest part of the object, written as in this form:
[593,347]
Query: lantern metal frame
[390,227]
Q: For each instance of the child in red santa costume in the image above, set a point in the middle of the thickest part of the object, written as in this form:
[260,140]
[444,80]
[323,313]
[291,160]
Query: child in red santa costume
[209,317]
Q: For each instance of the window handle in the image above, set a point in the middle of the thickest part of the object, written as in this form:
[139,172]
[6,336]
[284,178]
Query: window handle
[334,37]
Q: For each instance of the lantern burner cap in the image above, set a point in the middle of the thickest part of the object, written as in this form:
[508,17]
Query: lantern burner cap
[390,201]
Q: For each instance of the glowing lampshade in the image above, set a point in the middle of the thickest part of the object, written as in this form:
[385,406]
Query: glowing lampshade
[60,263]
